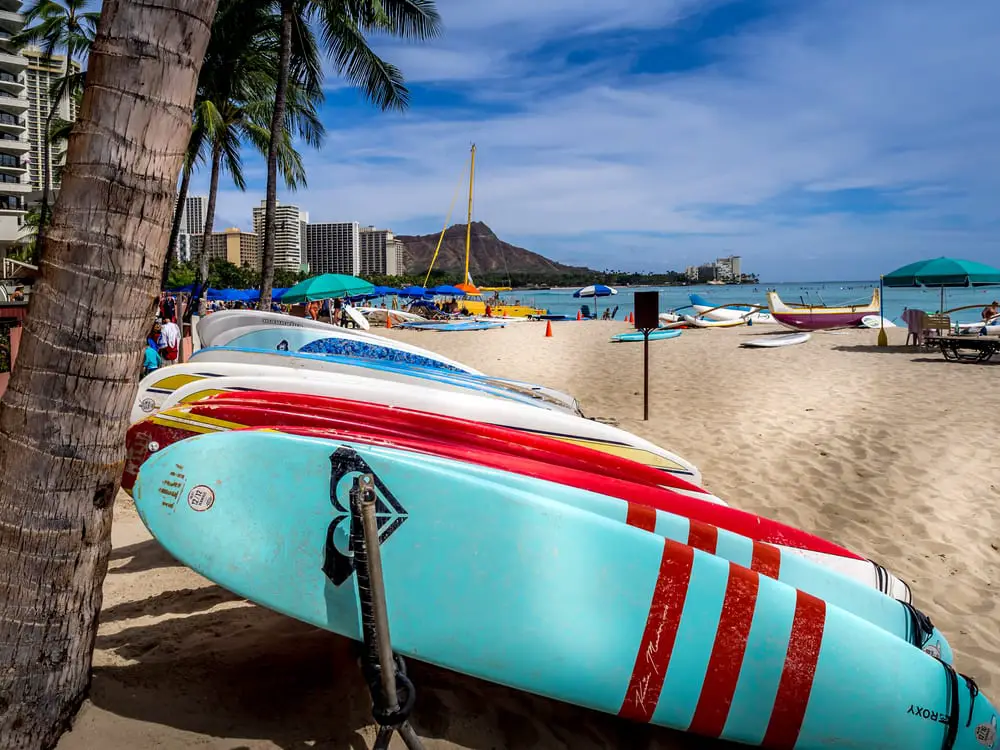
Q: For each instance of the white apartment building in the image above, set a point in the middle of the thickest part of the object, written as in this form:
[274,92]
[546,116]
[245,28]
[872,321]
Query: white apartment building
[334,247]
[289,235]
[381,253]
[14,146]
[41,75]
[192,224]
[729,269]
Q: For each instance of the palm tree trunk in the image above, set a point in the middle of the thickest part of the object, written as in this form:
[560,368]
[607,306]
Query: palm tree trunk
[175,229]
[206,234]
[64,415]
[277,133]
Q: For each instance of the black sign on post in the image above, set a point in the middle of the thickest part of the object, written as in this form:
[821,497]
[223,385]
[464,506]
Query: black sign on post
[647,319]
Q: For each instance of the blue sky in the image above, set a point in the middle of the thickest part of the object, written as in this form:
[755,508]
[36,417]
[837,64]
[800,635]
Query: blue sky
[819,139]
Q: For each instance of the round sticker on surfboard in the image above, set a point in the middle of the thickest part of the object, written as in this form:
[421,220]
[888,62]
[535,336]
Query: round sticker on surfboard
[201,498]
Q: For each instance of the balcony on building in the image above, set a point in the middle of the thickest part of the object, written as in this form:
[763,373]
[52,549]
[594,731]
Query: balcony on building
[11,124]
[13,143]
[11,21]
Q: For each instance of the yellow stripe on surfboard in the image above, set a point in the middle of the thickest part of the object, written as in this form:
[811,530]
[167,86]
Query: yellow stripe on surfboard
[638,455]
[173,382]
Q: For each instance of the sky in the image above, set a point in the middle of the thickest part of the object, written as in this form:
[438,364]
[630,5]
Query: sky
[817,139]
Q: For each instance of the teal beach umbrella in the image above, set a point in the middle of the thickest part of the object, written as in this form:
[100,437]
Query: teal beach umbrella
[943,273]
[327,286]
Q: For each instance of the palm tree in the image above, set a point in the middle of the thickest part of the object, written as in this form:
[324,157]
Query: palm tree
[56,25]
[64,414]
[235,100]
[342,25]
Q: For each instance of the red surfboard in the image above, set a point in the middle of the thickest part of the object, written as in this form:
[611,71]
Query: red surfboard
[162,429]
[410,421]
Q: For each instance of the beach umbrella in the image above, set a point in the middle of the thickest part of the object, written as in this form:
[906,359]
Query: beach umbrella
[452,291]
[413,291]
[326,286]
[943,273]
[595,291]
[277,294]
[382,291]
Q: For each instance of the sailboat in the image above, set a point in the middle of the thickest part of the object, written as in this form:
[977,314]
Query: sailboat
[475,301]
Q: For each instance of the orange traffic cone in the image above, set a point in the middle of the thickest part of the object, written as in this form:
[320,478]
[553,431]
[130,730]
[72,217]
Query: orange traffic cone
[548,329]
[388,319]
[579,315]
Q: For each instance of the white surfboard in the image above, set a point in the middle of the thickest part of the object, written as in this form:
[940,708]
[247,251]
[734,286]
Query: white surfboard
[212,326]
[874,321]
[269,337]
[475,408]
[789,339]
[297,360]
[359,320]
[158,385]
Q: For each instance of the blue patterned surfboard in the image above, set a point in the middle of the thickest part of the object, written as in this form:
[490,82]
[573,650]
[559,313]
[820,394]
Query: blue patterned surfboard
[527,591]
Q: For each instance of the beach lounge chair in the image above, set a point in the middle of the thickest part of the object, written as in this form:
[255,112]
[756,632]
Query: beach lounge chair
[585,311]
[968,348]
[914,320]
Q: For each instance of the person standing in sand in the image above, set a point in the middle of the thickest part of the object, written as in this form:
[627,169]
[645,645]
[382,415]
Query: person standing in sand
[170,342]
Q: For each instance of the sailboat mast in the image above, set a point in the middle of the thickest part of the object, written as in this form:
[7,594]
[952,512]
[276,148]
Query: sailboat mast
[468,225]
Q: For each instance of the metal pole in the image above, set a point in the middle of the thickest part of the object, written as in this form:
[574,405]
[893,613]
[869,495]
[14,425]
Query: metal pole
[384,644]
[374,612]
[645,374]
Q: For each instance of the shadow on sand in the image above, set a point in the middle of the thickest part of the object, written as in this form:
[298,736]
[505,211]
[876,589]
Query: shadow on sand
[251,673]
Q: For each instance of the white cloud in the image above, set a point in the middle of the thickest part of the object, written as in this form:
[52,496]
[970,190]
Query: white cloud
[894,95]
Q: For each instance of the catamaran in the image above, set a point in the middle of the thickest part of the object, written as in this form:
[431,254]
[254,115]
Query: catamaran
[476,301]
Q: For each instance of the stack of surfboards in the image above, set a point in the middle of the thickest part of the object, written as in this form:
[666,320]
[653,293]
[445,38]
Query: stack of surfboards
[529,546]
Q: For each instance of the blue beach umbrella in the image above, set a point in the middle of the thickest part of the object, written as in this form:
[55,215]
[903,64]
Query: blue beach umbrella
[413,291]
[595,291]
[445,289]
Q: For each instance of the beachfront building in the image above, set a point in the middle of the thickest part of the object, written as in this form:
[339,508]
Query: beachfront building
[40,76]
[729,269]
[381,253]
[238,247]
[289,235]
[334,247]
[14,146]
[691,273]
[192,224]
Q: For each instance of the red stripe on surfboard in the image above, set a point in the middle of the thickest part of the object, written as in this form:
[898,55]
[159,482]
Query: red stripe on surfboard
[727,653]
[658,638]
[797,674]
[703,536]
[766,560]
[641,516]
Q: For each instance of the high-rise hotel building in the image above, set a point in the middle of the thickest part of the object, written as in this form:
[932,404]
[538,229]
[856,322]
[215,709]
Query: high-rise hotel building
[41,75]
[14,146]
[289,235]
[334,247]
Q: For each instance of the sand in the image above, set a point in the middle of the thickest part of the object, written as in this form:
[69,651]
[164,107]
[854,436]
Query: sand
[891,452]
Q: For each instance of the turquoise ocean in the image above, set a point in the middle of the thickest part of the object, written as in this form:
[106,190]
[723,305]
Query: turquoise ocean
[830,293]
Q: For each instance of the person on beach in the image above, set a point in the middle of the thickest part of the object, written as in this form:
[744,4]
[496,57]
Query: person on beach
[170,342]
[338,312]
[991,311]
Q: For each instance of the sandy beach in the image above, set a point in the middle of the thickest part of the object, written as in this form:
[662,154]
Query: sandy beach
[891,452]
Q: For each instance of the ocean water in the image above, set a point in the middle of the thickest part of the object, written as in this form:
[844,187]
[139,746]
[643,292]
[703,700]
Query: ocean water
[830,293]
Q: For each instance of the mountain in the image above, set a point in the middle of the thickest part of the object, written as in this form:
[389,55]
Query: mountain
[488,256]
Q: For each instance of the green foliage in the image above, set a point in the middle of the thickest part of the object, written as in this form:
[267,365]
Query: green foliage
[225,275]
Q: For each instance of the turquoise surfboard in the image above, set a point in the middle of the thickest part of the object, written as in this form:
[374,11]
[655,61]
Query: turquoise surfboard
[657,335]
[515,587]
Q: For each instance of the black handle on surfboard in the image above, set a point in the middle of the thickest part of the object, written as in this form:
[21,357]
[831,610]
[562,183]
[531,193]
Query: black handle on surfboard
[393,695]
